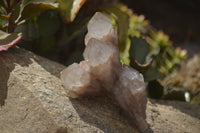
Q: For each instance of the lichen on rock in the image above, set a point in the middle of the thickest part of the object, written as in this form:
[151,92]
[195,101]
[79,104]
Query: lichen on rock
[102,73]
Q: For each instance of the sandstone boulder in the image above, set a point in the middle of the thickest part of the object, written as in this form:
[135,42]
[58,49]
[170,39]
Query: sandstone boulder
[32,100]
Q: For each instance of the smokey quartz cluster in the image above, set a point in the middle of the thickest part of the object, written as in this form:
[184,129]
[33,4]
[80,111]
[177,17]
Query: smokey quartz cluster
[102,73]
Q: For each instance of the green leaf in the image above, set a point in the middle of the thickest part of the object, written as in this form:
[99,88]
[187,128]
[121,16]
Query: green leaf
[140,67]
[2,10]
[8,40]
[138,54]
[3,21]
[139,49]
[48,23]
[45,46]
[122,20]
[29,30]
[151,74]
[28,8]
[69,8]
[35,9]
[155,89]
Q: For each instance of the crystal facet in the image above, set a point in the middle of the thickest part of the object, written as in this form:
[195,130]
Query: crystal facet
[100,27]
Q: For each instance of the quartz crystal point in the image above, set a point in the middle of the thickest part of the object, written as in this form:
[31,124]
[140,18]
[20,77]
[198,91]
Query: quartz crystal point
[100,27]
[102,73]
[103,58]
[77,79]
[130,94]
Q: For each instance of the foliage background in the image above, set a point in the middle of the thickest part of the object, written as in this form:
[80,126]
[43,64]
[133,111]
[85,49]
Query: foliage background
[56,29]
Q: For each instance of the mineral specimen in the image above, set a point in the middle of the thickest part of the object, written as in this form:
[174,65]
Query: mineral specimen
[130,94]
[100,27]
[102,73]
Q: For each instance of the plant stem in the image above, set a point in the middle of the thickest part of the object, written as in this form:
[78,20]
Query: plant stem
[8,4]
[9,9]
[11,25]
[15,3]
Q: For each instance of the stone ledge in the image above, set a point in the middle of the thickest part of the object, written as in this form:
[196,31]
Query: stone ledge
[33,100]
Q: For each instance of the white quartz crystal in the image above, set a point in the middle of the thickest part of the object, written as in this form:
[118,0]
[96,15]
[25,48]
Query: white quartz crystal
[103,57]
[130,94]
[77,79]
[101,72]
[100,27]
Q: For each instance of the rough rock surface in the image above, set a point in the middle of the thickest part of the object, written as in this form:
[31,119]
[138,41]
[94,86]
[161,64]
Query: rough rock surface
[33,100]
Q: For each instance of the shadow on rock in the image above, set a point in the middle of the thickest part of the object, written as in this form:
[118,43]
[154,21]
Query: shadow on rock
[103,114]
[47,65]
[3,82]
[8,59]
[62,130]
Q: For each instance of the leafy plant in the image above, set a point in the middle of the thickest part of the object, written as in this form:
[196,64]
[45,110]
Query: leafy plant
[55,29]
[8,40]
[16,12]
[144,48]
